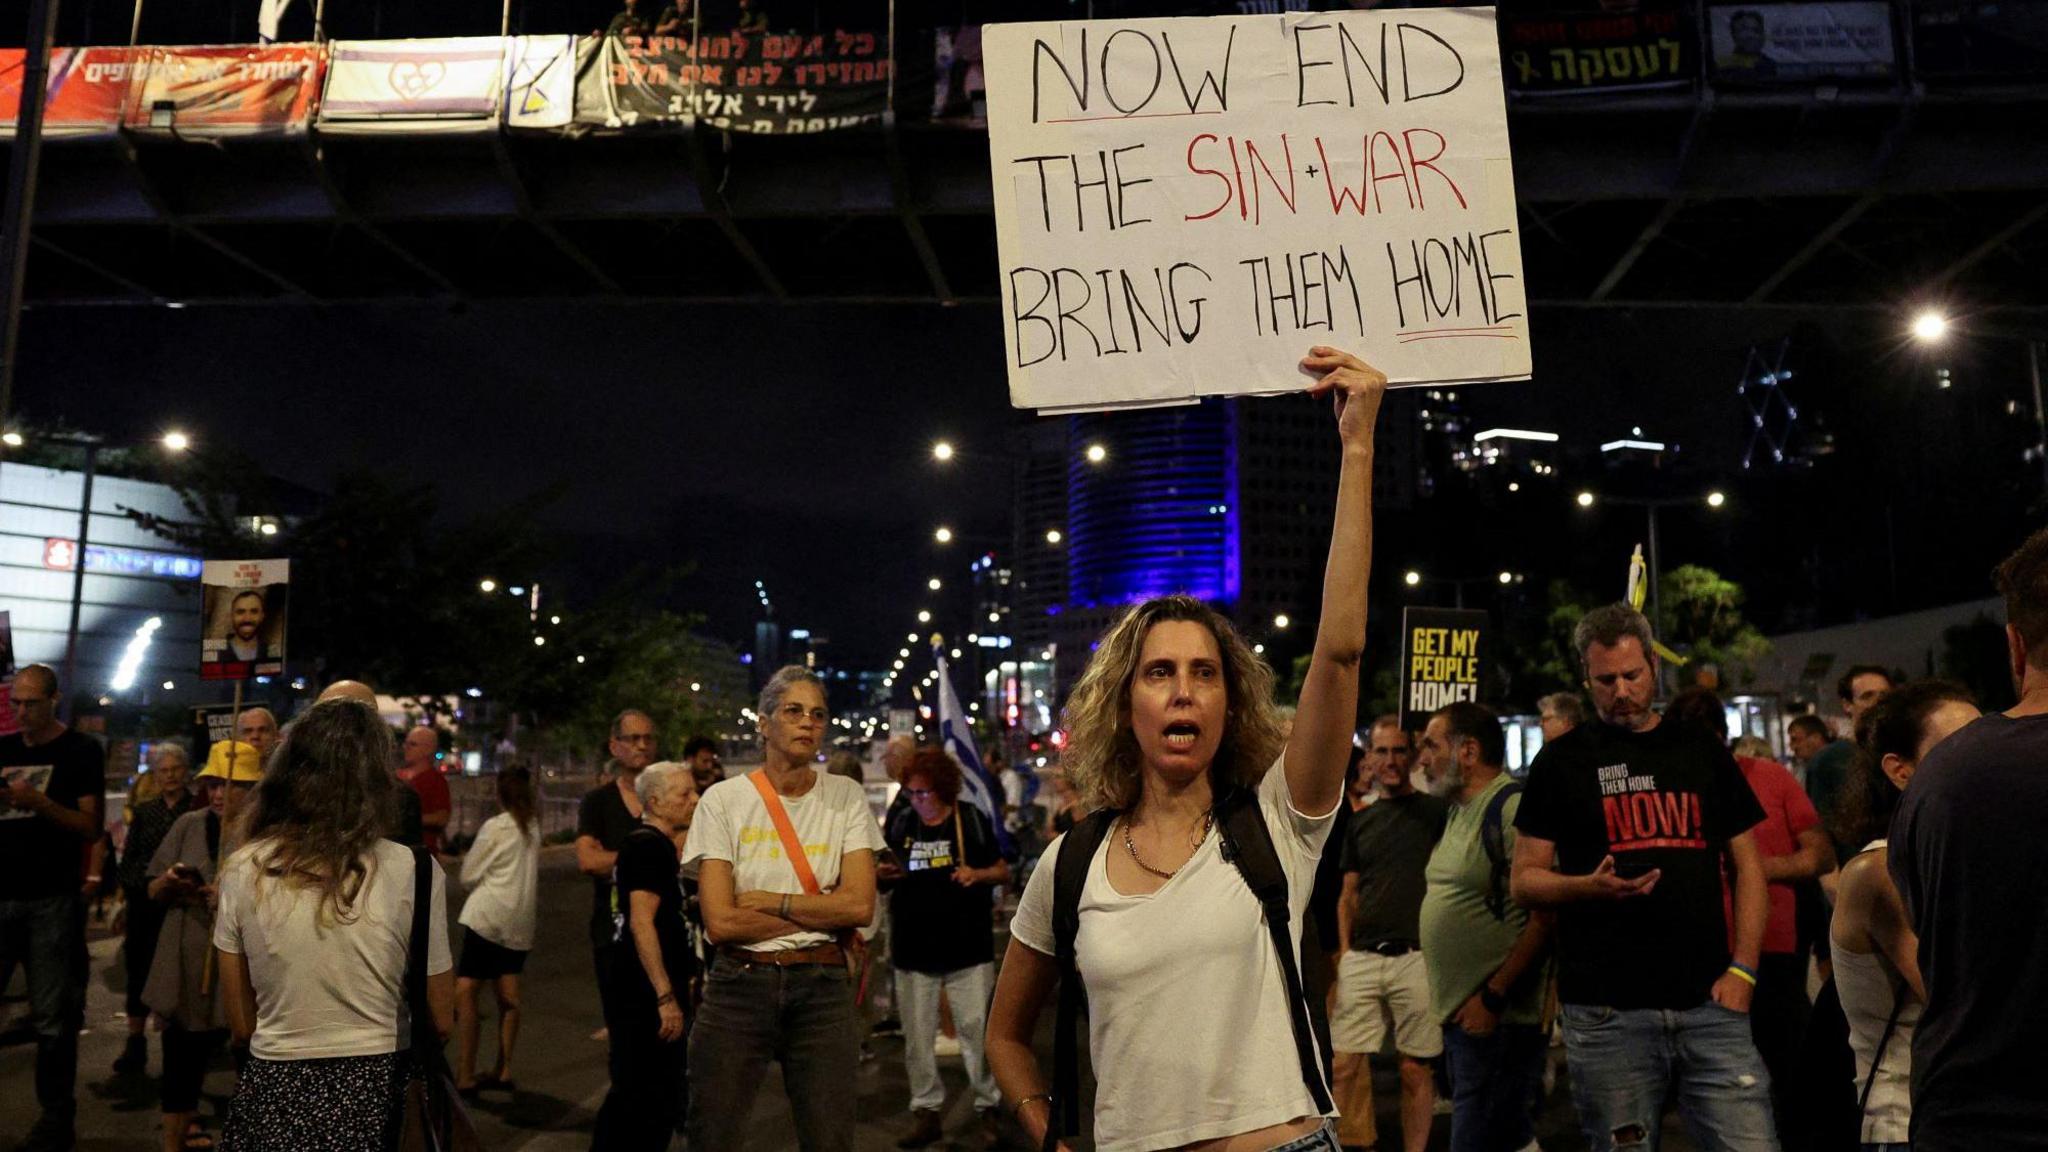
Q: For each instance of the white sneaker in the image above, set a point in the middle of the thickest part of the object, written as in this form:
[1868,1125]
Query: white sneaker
[946,1045]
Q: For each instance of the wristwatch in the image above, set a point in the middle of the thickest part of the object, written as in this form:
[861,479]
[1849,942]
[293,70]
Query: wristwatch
[1494,1001]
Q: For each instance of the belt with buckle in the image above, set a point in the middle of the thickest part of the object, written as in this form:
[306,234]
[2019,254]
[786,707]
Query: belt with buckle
[1392,948]
[824,955]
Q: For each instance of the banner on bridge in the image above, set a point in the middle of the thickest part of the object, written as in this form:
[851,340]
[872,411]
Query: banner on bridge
[232,90]
[1655,47]
[88,89]
[740,81]
[1762,43]
[540,82]
[1185,206]
[434,86]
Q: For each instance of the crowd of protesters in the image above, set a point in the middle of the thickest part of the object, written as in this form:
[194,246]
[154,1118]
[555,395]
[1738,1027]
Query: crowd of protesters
[1250,904]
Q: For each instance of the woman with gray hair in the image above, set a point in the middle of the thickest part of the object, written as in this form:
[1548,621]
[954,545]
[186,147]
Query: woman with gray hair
[654,962]
[150,818]
[785,863]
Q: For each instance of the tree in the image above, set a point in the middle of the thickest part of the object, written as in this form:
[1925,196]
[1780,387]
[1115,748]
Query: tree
[1703,620]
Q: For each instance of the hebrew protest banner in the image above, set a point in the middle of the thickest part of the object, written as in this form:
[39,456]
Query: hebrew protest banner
[445,85]
[1556,52]
[1764,43]
[88,87]
[242,634]
[1443,653]
[1185,206]
[540,82]
[740,81]
[232,90]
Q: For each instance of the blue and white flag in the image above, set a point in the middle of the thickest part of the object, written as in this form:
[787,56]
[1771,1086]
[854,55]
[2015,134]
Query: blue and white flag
[977,787]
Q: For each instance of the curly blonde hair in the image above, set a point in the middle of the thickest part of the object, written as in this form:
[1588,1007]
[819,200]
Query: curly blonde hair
[1101,758]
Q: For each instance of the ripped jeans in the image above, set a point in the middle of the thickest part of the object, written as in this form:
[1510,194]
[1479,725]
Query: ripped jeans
[1625,1063]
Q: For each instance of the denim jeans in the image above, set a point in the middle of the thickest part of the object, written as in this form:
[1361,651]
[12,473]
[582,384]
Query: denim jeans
[1494,1083]
[968,991]
[45,936]
[801,1017]
[1323,1139]
[1625,1062]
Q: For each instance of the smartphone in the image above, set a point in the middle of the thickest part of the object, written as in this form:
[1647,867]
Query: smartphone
[185,872]
[1629,868]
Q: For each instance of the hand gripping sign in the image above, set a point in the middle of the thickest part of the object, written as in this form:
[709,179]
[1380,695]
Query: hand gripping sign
[1184,206]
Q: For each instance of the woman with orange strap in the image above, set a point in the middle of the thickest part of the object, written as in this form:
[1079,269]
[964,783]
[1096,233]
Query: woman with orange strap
[785,864]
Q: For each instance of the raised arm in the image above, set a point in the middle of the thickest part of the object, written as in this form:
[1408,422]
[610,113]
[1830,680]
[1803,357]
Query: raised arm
[1328,712]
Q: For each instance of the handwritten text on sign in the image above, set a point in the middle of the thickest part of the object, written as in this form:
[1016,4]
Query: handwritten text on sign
[1184,206]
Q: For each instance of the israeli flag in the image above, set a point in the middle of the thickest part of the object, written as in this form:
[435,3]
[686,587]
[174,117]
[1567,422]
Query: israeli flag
[976,785]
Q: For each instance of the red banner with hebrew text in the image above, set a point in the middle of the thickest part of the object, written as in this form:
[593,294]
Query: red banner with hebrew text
[230,90]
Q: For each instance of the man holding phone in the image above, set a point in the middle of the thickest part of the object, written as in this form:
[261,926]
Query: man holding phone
[1622,829]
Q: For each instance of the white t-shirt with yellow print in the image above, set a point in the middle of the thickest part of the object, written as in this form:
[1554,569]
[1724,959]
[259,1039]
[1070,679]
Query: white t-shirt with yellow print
[732,824]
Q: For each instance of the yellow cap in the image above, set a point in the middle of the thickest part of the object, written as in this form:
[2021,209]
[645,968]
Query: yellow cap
[248,767]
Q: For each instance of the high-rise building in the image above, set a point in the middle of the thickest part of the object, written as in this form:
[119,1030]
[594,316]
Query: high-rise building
[1227,500]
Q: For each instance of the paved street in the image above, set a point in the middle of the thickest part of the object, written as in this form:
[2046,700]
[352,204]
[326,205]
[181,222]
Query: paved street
[559,1068]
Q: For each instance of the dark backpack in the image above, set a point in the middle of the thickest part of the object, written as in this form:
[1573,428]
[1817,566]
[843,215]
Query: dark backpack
[1248,844]
[1493,838]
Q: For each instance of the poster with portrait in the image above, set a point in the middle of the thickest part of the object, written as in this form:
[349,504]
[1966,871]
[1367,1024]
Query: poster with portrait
[242,633]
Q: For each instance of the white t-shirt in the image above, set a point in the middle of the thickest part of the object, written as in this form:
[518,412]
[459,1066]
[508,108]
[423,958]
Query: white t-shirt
[1166,1073]
[732,824]
[326,988]
[502,872]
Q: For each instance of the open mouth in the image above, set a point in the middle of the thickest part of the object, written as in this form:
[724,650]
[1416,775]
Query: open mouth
[1180,736]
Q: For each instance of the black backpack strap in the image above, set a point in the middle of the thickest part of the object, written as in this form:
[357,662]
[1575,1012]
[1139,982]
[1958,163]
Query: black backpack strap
[1248,844]
[1493,837]
[416,951]
[1070,875]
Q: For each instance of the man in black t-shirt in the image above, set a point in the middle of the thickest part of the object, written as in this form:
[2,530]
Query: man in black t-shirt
[1380,973]
[606,816]
[942,936]
[1972,866]
[54,786]
[1622,829]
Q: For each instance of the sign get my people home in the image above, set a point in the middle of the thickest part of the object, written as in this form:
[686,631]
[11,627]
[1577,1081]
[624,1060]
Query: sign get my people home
[1185,206]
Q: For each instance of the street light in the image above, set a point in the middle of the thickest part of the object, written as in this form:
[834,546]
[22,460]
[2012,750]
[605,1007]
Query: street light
[942,451]
[923,617]
[1097,453]
[487,586]
[1931,327]
[1507,577]
[176,441]
[944,535]
[934,584]
[1053,536]
[1412,578]
[11,439]
[1714,499]
[1281,621]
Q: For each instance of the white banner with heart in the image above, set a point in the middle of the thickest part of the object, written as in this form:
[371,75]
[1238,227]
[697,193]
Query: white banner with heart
[448,85]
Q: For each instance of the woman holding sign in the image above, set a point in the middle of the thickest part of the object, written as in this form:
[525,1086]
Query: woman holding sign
[785,864]
[1179,903]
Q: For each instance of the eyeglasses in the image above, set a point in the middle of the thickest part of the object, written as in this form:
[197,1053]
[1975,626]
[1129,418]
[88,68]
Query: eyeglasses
[797,712]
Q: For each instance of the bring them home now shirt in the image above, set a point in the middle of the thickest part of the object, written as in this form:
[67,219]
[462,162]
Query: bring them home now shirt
[1667,799]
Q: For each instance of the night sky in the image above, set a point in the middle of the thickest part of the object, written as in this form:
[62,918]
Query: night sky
[789,443]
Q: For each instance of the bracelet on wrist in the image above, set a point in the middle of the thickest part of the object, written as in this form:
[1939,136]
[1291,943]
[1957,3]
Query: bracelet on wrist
[665,999]
[1017,1112]
[783,909]
[1494,1002]
[1747,976]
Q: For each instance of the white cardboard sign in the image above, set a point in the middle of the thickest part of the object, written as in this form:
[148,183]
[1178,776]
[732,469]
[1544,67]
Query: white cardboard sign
[1185,206]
